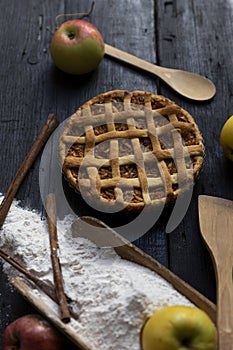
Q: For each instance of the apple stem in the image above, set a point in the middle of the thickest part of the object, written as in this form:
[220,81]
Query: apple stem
[78,14]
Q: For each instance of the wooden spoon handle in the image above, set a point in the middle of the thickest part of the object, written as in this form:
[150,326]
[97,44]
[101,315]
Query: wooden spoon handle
[225,309]
[134,61]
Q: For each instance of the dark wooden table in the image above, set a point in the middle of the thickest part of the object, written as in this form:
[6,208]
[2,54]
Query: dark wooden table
[190,35]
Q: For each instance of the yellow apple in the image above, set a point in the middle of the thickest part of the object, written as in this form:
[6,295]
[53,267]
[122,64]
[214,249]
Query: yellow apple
[179,328]
[226,138]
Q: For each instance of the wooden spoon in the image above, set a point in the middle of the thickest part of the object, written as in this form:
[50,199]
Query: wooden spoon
[216,225]
[190,85]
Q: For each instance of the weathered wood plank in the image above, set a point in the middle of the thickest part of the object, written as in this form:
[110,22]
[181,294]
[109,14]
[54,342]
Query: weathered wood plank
[31,88]
[192,35]
[24,61]
[195,36]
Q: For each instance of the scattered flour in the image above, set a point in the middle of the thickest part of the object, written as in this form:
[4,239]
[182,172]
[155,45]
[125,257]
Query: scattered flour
[114,296]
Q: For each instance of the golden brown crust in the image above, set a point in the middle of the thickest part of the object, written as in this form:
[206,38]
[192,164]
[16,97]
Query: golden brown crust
[129,149]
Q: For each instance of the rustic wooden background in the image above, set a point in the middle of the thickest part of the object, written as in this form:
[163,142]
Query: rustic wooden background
[194,35]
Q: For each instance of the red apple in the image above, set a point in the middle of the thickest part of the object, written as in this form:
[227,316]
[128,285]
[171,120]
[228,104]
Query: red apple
[77,47]
[31,332]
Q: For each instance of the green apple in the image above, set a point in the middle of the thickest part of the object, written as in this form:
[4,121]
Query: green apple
[179,328]
[77,47]
[226,138]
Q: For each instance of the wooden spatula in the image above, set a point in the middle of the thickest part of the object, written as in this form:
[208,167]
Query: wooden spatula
[216,225]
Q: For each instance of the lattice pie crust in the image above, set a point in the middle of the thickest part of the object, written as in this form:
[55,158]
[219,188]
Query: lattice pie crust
[130,149]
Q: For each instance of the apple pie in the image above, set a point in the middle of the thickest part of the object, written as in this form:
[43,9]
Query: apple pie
[126,150]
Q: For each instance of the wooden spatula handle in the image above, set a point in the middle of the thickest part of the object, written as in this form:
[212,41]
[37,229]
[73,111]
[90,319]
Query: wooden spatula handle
[225,309]
[216,224]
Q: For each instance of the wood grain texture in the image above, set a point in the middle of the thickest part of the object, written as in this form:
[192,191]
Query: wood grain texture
[31,88]
[217,232]
[195,35]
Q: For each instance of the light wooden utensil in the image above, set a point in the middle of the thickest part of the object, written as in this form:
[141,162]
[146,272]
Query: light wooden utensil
[190,85]
[216,225]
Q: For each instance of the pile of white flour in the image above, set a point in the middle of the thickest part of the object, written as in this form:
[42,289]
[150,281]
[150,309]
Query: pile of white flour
[114,296]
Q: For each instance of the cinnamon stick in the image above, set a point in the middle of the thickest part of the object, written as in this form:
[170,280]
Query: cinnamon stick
[57,273]
[50,125]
